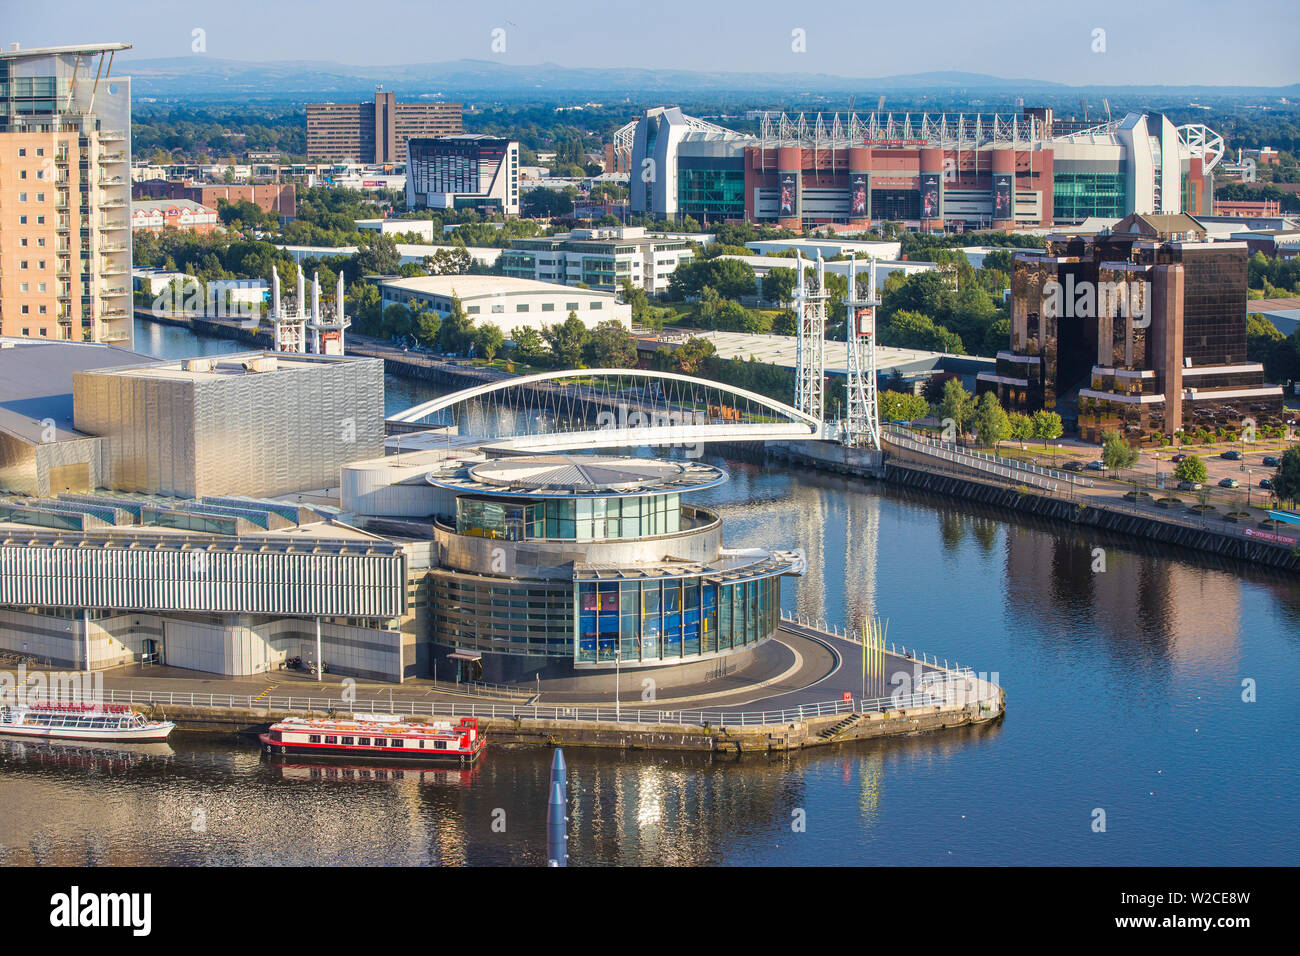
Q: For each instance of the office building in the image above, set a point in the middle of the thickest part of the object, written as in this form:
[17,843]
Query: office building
[601,258]
[463,172]
[1142,329]
[375,132]
[65,200]
[930,172]
[506,302]
[278,198]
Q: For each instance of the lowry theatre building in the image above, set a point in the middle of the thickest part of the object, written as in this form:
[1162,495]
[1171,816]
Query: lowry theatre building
[555,565]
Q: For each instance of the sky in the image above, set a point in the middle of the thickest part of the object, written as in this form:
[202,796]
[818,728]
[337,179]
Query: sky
[1141,42]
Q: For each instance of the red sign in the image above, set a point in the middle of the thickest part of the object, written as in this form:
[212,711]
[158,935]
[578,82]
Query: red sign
[847,697]
[1271,536]
[893,142]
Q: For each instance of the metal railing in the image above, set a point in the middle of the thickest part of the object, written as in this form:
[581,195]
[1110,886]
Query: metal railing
[424,708]
[1009,468]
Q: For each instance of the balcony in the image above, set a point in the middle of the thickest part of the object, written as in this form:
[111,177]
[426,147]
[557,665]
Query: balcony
[113,181]
[113,247]
[110,226]
[112,157]
[112,203]
[114,335]
[111,136]
[114,292]
[114,314]
[111,269]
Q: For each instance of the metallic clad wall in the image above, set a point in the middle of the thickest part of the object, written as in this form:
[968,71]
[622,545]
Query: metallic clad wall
[17,465]
[259,434]
[351,584]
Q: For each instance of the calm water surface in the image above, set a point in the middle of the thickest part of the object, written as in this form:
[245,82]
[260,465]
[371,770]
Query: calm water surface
[1124,693]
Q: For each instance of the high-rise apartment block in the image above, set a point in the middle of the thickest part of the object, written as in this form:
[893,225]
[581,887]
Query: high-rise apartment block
[65,194]
[375,132]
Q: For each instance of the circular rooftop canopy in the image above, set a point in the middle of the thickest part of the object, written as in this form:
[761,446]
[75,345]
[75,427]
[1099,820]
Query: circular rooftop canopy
[580,476]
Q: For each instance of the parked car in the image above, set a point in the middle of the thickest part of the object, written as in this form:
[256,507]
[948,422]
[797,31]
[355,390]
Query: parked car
[1073,465]
[1179,457]
[1229,483]
[1189,486]
[1272,461]
[1266,484]
[1096,465]
[1231,455]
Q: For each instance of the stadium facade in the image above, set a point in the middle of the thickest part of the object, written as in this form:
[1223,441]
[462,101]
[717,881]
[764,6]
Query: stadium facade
[930,172]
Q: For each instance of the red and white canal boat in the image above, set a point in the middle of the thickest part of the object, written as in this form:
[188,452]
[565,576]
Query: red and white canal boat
[376,735]
[101,722]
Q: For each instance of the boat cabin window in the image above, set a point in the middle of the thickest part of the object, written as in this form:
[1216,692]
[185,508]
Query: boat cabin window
[380,742]
[440,745]
[275,735]
[313,738]
[331,740]
[397,742]
[349,741]
[363,741]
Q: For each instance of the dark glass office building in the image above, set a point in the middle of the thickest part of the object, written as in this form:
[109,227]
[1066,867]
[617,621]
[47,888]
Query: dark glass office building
[1141,330]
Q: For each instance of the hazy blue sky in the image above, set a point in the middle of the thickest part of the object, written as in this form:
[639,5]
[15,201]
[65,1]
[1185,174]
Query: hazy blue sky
[1246,42]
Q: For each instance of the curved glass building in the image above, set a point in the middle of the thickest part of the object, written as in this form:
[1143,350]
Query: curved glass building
[564,563]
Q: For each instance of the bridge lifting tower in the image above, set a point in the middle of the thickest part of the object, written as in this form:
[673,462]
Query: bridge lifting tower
[327,325]
[862,427]
[292,319]
[810,342]
[288,318]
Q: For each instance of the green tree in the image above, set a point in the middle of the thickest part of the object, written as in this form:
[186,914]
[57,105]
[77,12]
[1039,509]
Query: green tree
[1286,481]
[457,331]
[610,345]
[1191,468]
[378,257]
[991,422]
[397,320]
[427,326]
[449,261]
[955,404]
[691,355]
[1047,425]
[902,406]
[528,345]
[487,340]
[1116,453]
[778,285]
[568,341]
[1022,427]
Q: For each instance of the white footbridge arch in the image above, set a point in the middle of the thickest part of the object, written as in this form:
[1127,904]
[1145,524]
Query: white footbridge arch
[608,408]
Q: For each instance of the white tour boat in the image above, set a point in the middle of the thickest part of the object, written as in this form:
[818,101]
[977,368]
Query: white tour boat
[106,722]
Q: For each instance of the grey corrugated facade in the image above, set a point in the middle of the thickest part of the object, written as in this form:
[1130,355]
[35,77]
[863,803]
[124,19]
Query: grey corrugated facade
[180,573]
[258,434]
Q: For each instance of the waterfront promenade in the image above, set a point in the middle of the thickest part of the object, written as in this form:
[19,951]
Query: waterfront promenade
[814,692]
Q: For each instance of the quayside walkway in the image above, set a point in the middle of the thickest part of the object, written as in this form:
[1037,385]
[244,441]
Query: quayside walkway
[825,698]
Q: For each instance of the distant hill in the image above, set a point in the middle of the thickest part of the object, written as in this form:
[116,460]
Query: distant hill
[210,76]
